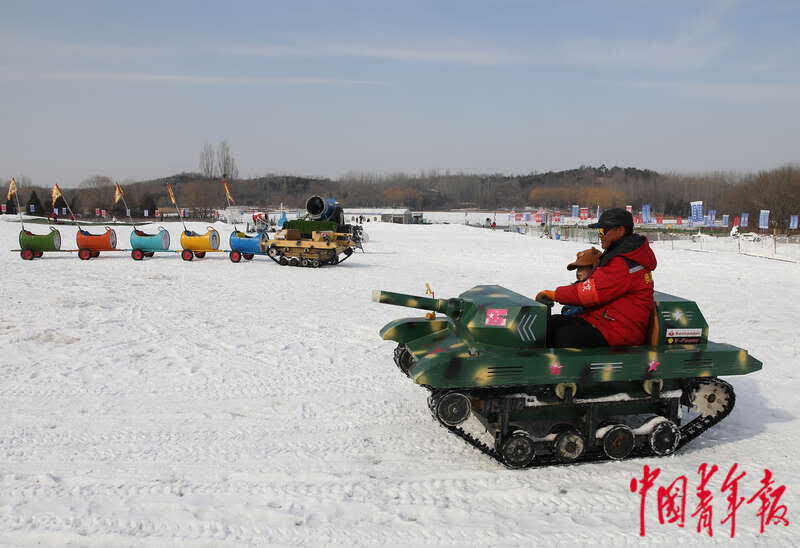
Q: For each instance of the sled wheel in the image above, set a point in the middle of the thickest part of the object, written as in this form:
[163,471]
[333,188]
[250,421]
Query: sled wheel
[149,253]
[137,255]
[517,450]
[294,262]
[273,251]
[248,256]
[569,446]
[453,408]
[282,261]
[303,262]
[95,254]
[200,254]
[38,254]
[618,442]
[664,438]
[187,255]
[235,256]
[84,254]
[26,254]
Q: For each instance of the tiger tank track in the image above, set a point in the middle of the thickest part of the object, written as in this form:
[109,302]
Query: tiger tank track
[688,431]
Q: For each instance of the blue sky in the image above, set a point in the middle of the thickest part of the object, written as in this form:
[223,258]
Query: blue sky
[134,89]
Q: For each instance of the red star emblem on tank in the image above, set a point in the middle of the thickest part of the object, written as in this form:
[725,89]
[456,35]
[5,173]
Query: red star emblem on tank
[555,368]
[652,366]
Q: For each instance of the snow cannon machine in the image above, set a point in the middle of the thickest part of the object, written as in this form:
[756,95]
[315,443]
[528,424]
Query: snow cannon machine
[197,245]
[246,246]
[90,245]
[146,245]
[32,246]
[319,238]
[493,382]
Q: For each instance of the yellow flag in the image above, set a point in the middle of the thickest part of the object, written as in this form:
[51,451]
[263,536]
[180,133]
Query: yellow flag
[117,194]
[228,192]
[55,194]
[12,189]
[171,195]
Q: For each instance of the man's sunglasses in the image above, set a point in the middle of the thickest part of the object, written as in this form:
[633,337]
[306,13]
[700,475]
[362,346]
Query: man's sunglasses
[602,231]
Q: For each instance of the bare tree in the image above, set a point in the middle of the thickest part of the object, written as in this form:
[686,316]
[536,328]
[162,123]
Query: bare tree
[226,165]
[207,160]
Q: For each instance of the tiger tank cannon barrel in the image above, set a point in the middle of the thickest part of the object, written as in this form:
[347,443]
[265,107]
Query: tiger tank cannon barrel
[451,307]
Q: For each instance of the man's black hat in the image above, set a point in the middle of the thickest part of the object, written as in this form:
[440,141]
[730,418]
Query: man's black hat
[614,217]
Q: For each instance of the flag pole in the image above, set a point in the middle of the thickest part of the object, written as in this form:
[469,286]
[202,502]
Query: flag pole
[74,218]
[228,200]
[16,197]
[127,209]
[175,203]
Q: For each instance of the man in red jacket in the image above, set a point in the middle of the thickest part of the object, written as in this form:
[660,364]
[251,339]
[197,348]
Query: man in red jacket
[617,298]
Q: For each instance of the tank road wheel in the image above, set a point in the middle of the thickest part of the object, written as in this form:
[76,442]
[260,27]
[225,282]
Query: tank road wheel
[709,398]
[403,358]
[569,446]
[618,441]
[294,262]
[235,256]
[200,254]
[38,254]
[273,252]
[303,262]
[137,255]
[517,450]
[283,261]
[348,251]
[314,263]
[334,259]
[26,254]
[187,255]
[149,253]
[664,438]
[453,408]
[84,254]
[248,256]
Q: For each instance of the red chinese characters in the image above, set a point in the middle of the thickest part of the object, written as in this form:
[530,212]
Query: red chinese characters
[671,499]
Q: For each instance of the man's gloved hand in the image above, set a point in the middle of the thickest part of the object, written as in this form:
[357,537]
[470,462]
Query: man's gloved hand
[546,297]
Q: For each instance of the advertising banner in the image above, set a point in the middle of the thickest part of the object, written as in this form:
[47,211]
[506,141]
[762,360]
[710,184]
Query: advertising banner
[103,213]
[744,220]
[792,221]
[575,208]
[584,213]
[629,208]
[763,218]
[659,219]
[725,219]
[146,212]
[697,212]
[156,213]
[97,212]
[4,207]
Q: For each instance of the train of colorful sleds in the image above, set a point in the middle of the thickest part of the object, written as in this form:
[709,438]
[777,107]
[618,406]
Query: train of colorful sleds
[319,238]
[488,358]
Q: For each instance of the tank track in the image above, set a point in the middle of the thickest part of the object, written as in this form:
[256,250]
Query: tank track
[689,431]
[280,256]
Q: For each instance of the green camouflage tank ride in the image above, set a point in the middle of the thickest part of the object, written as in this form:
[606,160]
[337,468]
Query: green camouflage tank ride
[487,359]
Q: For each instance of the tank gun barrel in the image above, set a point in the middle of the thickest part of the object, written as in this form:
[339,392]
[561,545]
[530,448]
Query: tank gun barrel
[322,209]
[450,307]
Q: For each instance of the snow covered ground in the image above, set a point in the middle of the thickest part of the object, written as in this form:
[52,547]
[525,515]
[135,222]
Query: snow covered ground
[166,402]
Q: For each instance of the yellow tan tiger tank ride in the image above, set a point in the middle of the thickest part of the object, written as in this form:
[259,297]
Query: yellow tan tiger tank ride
[320,238]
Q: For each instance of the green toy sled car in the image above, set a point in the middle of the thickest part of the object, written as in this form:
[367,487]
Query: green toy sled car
[487,358]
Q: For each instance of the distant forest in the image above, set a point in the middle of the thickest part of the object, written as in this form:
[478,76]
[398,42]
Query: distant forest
[777,190]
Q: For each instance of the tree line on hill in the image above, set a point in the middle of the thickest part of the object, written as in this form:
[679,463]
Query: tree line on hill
[777,190]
